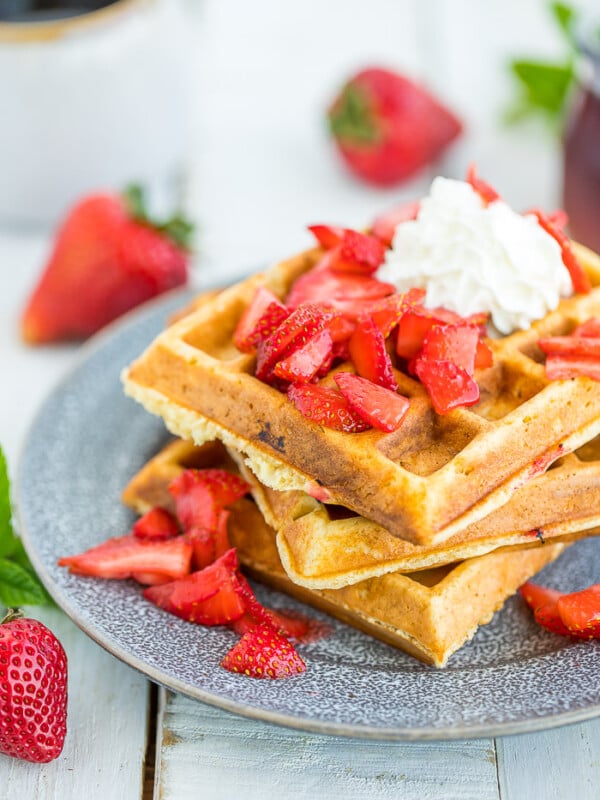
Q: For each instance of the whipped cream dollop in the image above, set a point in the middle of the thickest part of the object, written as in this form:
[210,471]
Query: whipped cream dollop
[471,258]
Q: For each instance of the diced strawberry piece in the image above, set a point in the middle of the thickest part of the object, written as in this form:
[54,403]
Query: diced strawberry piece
[264,653]
[380,407]
[303,363]
[151,578]
[326,407]
[208,597]
[564,367]
[387,313]
[580,611]
[221,536]
[384,226]
[456,342]
[294,332]
[359,253]
[484,356]
[350,293]
[328,236]
[536,595]
[579,278]
[414,325]
[483,189]
[448,386]
[340,328]
[369,354]
[264,314]
[590,327]
[203,544]
[224,486]
[195,503]
[256,614]
[571,345]
[158,523]
[120,557]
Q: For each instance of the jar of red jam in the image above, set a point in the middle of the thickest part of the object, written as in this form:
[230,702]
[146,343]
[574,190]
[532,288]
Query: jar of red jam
[581,183]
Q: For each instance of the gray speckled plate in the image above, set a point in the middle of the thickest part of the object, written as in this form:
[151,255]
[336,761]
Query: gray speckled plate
[89,439]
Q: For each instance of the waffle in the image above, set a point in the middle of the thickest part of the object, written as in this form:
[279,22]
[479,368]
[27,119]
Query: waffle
[426,481]
[429,614]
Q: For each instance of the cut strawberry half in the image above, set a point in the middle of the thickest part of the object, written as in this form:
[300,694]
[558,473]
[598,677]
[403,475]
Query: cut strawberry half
[580,611]
[382,408]
[586,346]
[121,557]
[384,226]
[564,367]
[207,597]
[579,278]
[350,293]
[448,386]
[369,354]
[264,314]
[326,407]
[156,524]
[264,653]
[487,193]
[456,342]
[358,253]
[304,362]
[293,333]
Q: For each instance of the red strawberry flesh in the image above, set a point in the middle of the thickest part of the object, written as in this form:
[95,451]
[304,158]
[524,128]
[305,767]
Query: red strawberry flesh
[264,653]
[380,407]
[326,407]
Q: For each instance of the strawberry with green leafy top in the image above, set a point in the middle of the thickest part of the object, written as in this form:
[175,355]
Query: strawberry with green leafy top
[108,257]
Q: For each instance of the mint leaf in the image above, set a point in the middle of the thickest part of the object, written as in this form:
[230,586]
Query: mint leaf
[545,85]
[18,587]
[565,17]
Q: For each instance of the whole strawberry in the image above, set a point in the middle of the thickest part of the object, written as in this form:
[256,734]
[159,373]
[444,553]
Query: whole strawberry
[108,257]
[387,128]
[33,690]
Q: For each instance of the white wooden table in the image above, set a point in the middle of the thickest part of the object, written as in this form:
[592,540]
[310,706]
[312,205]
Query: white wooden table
[261,169]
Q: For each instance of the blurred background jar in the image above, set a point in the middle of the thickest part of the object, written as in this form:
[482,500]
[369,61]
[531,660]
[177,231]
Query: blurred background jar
[581,184]
[93,95]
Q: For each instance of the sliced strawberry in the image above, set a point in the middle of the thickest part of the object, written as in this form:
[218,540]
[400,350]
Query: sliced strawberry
[203,546]
[564,367]
[484,356]
[387,313]
[326,407]
[369,354]
[293,333]
[256,614]
[195,503]
[350,293]
[448,386]
[225,487]
[123,556]
[359,253]
[590,327]
[340,328]
[580,611]
[548,617]
[264,314]
[414,325]
[571,345]
[158,523]
[208,597]
[380,407]
[579,278]
[151,578]
[483,189]
[221,536]
[456,342]
[303,363]
[328,236]
[536,595]
[384,226]
[264,653]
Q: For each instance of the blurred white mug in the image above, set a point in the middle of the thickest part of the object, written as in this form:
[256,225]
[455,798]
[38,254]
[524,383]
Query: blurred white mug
[93,95]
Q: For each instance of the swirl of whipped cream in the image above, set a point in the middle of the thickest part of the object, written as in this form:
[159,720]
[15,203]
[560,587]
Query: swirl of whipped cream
[471,258]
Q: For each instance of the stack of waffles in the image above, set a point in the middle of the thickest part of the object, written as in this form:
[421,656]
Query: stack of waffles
[416,536]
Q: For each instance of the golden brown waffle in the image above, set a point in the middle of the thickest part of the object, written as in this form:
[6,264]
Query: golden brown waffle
[426,481]
[428,614]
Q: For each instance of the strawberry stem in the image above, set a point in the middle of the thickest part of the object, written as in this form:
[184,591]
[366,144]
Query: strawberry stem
[351,119]
[177,228]
[11,615]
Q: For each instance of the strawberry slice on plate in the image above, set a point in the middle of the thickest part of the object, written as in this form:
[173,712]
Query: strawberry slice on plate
[261,317]
[291,626]
[580,611]
[200,495]
[121,557]
[207,597]
[264,653]
[369,354]
[326,407]
[382,408]
[156,524]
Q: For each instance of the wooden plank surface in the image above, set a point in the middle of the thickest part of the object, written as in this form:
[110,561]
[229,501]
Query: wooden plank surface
[205,752]
[107,722]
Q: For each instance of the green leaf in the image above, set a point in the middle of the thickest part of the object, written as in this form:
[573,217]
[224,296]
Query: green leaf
[544,86]
[351,119]
[565,17]
[8,540]
[19,587]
